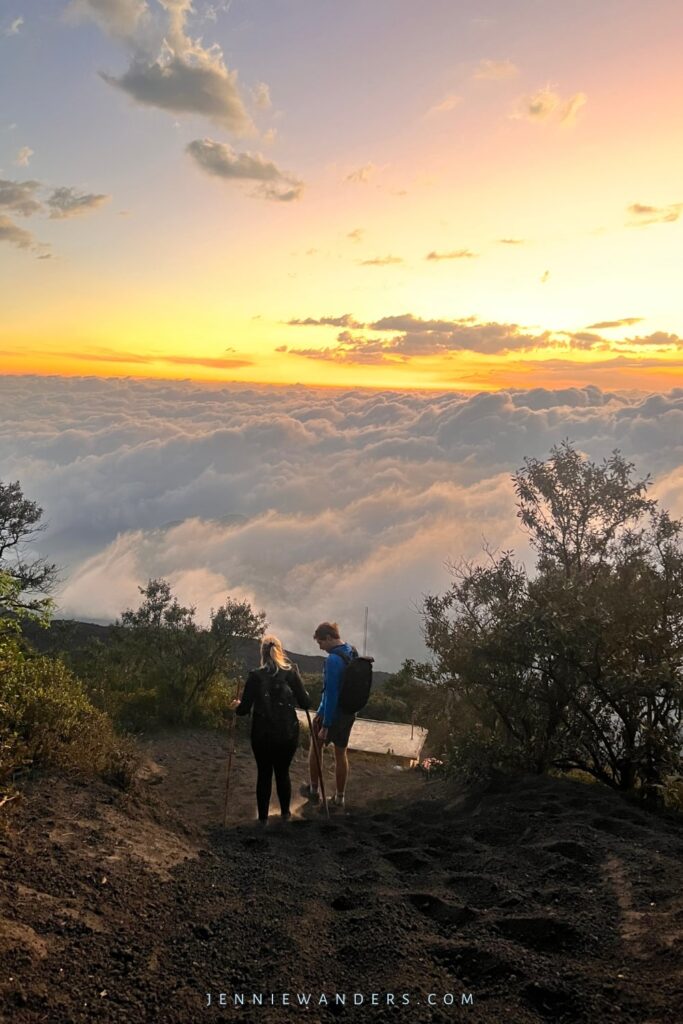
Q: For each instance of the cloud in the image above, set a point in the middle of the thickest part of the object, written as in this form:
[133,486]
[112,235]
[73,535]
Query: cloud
[210,361]
[605,324]
[173,84]
[221,161]
[20,197]
[67,202]
[458,254]
[12,233]
[261,96]
[168,68]
[660,339]
[644,215]
[120,18]
[381,261]
[511,241]
[356,235]
[102,354]
[414,336]
[14,27]
[571,109]
[346,320]
[496,70]
[445,105]
[361,175]
[546,105]
[283,495]
[23,157]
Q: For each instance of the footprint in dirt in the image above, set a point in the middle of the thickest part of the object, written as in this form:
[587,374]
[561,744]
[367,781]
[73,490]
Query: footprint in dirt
[449,915]
[407,860]
[482,889]
[495,835]
[474,964]
[621,828]
[573,851]
[542,934]
[552,1003]
[350,901]
[353,850]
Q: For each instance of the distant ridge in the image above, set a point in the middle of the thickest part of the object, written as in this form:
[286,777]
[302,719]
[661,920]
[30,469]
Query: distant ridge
[71,634]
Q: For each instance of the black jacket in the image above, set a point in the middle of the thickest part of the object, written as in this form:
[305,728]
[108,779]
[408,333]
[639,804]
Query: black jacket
[273,698]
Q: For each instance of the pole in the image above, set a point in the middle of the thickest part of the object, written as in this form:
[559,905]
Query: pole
[314,741]
[230,753]
[365,634]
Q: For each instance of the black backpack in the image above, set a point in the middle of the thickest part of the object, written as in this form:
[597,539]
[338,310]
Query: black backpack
[275,706]
[356,681]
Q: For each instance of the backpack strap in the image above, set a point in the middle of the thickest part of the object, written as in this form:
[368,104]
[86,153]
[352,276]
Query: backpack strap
[346,658]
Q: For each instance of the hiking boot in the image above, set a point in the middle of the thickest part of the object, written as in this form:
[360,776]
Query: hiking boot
[310,794]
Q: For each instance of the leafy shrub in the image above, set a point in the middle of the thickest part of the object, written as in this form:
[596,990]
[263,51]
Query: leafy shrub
[580,665]
[160,667]
[47,720]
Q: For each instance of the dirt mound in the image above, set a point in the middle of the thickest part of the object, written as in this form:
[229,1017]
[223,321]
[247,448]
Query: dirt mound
[122,909]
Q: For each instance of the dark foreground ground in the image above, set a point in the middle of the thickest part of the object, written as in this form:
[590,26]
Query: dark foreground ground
[543,900]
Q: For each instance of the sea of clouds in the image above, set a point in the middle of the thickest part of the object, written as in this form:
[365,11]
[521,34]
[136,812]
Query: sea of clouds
[311,503]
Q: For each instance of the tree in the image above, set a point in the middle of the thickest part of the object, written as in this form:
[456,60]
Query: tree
[19,524]
[161,664]
[579,665]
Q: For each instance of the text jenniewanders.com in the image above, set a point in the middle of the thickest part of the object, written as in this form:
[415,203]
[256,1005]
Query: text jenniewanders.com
[238,999]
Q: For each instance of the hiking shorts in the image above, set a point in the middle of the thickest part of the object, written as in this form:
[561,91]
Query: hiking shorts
[340,730]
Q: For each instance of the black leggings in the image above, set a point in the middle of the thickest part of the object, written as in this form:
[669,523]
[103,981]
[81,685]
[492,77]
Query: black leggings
[273,756]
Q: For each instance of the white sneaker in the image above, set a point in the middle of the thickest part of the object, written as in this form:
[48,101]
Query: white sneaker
[337,800]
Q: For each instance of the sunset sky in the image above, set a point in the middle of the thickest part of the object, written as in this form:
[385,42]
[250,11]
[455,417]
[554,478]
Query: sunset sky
[448,194]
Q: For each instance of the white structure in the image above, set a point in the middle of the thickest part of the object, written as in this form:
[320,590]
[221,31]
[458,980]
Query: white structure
[398,740]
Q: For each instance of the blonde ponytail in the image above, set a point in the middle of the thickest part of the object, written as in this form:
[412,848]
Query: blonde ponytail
[272,655]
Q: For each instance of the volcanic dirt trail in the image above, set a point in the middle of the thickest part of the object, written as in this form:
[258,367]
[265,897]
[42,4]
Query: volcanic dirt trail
[538,899]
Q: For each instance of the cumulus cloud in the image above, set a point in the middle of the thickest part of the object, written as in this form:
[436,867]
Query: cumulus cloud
[415,336]
[457,254]
[23,157]
[346,320]
[412,336]
[168,68]
[221,161]
[546,105]
[12,233]
[20,197]
[172,83]
[68,202]
[312,503]
[659,339]
[496,70]
[120,18]
[643,215]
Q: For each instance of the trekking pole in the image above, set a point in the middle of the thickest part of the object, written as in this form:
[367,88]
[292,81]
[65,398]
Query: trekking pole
[230,753]
[314,741]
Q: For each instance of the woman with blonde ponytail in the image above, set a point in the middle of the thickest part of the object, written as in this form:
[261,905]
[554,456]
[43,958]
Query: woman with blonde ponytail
[272,693]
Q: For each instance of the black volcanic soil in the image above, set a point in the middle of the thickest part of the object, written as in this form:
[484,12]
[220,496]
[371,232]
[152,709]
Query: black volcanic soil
[546,900]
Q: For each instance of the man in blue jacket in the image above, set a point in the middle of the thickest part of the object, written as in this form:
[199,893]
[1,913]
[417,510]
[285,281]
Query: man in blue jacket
[331,724]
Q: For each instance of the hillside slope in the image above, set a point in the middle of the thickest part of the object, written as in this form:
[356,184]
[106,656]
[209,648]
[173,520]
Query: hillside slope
[545,900]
